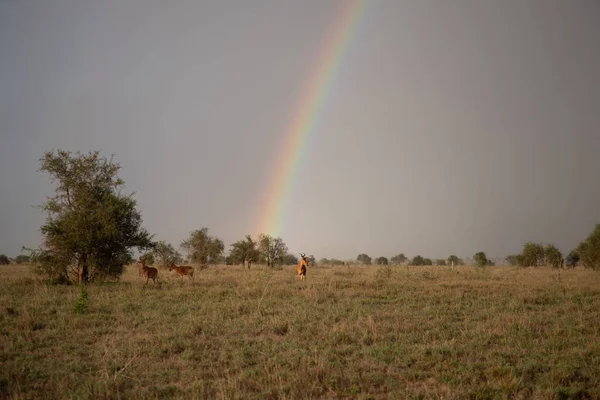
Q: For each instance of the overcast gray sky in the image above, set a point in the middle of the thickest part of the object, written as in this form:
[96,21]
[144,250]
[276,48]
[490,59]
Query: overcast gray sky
[451,126]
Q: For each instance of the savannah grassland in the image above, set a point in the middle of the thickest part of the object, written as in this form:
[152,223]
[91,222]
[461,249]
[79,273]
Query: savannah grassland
[345,332]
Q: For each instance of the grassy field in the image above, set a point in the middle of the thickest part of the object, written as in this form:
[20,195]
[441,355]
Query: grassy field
[345,332]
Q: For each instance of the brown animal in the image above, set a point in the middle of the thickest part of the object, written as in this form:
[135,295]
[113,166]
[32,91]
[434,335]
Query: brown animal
[301,267]
[147,272]
[183,270]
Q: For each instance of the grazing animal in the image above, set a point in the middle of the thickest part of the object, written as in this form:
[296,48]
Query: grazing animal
[147,272]
[183,270]
[301,267]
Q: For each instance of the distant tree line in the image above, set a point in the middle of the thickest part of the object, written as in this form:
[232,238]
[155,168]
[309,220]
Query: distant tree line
[586,254]
[92,229]
[401,259]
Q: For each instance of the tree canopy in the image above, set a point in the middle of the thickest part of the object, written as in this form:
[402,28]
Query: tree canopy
[271,249]
[203,248]
[244,252]
[481,259]
[164,254]
[398,259]
[363,259]
[91,227]
[381,261]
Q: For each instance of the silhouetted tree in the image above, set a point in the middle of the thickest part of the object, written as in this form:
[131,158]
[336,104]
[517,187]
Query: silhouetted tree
[398,259]
[381,261]
[481,259]
[572,259]
[4,259]
[417,260]
[363,259]
[454,260]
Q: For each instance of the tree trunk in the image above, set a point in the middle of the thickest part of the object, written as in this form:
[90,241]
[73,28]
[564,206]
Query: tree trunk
[84,274]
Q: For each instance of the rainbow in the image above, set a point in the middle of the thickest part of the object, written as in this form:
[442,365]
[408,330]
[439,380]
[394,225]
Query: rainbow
[303,123]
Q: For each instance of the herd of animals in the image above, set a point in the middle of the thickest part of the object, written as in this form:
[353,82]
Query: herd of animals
[152,273]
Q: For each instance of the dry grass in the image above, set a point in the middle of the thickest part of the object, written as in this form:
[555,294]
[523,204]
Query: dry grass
[345,332]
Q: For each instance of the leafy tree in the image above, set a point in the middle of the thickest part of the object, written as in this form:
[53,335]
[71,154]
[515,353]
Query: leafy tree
[572,259]
[440,262]
[203,248]
[427,261]
[311,260]
[289,259]
[148,257]
[532,255]
[454,260]
[165,254]
[91,226]
[22,259]
[553,256]
[398,259]
[244,252]
[481,259]
[363,259]
[589,249]
[4,259]
[381,261]
[271,249]
[417,260]
[512,259]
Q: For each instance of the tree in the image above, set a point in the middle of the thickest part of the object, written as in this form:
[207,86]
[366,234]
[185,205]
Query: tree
[512,259]
[363,259]
[417,260]
[589,249]
[381,261]
[481,259]
[22,259]
[244,252]
[203,248]
[454,260]
[553,256]
[289,259]
[572,259]
[427,261]
[4,259]
[440,262]
[148,258]
[165,254]
[398,259]
[311,260]
[271,249]
[91,226]
[532,255]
